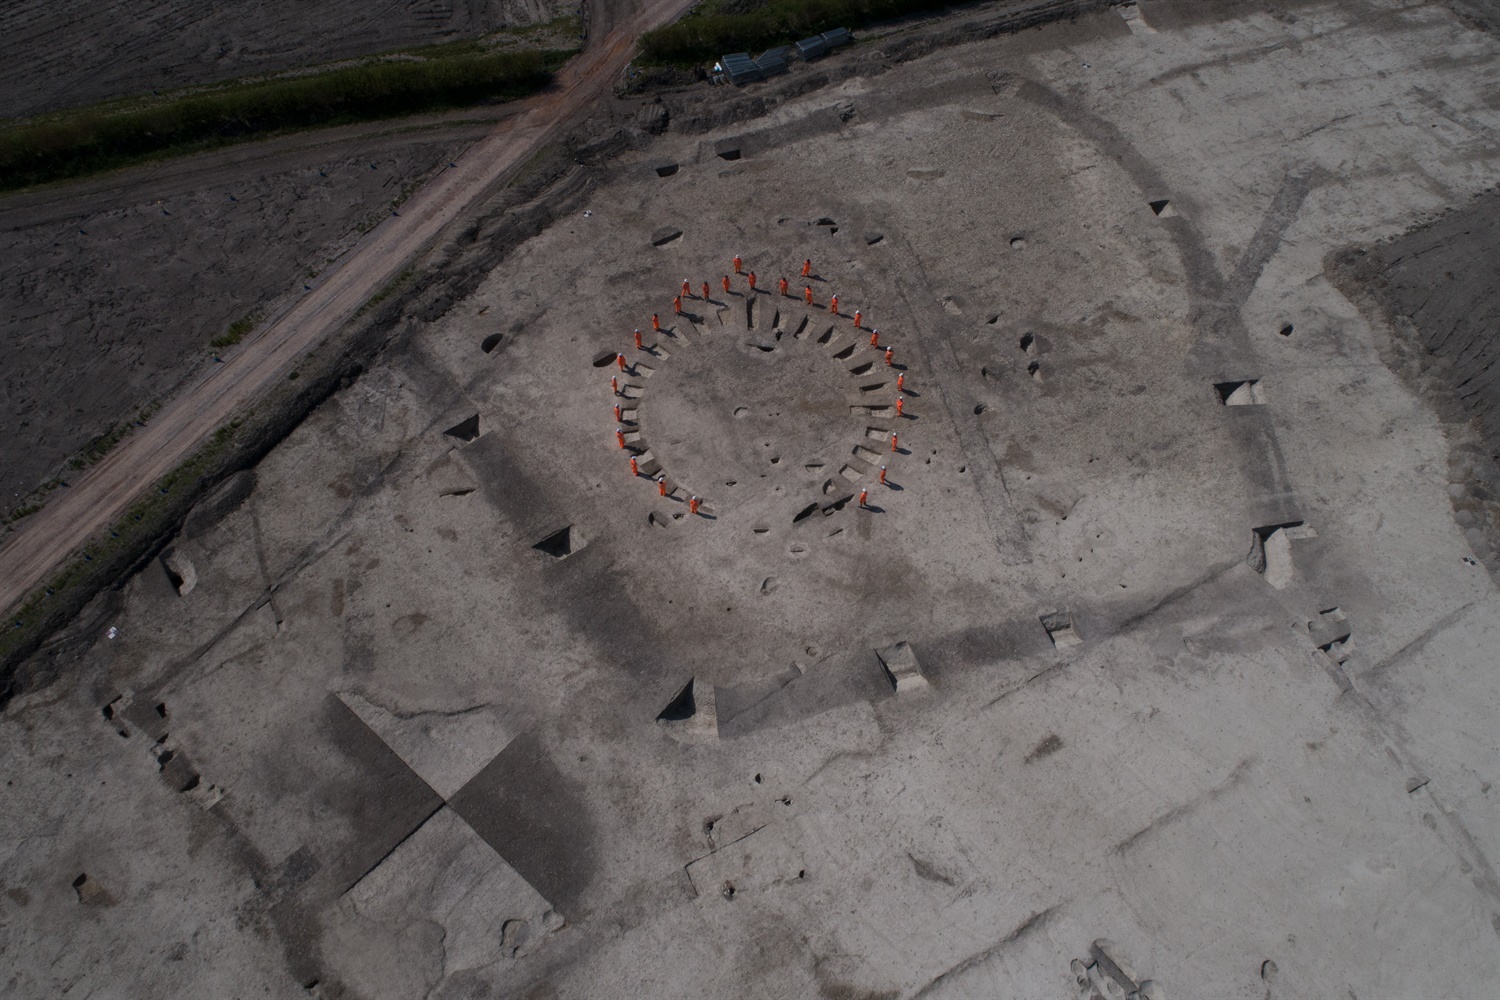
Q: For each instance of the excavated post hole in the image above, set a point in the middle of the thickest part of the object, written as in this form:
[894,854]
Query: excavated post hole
[1028,343]
[1059,626]
[559,544]
[464,430]
[826,336]
[607,358]
[801,330]
[729,154]
[1286,330]
[1162,206]
[662,237]
[1244,392]
[873,387]
[491,342]
[805,513]
[666,170]
[845,354]
[681,707]
[862,369]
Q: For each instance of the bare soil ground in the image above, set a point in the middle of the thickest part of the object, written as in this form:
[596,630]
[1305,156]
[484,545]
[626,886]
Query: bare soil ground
[61,54]
[109,310]
[408,714]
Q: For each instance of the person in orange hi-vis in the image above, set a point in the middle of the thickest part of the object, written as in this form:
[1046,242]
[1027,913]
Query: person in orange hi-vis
[620,437]
[661,485]
[894,445]
[620,360]
[900,405]
[705,291]
[618,418]
[692,505]
[656,322]
[890,352]
[635,469]
[875,339]
[677,306]
[638,346]
[807,268]
[863,496]
[882,475]
[687,290]
[614,385]
[900,380]
[857,317]
[783,287]
[807,294]
[726,284]
[738,264]
[752,281]
[833,305]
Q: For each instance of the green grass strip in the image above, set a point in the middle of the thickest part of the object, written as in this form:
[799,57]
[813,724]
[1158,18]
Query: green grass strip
[90,140]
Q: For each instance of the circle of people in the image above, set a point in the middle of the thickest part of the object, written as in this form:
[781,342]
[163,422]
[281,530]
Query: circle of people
[694,503]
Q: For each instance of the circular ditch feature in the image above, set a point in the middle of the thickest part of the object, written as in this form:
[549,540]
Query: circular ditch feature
[722,411]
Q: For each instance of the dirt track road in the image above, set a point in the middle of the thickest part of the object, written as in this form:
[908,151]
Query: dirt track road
[100,496]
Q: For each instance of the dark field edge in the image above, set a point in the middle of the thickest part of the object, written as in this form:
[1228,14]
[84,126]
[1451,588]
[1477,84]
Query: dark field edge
[92,140]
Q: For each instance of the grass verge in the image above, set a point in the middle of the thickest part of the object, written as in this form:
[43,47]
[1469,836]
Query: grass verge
[236,331]
[708,34]
[89,140]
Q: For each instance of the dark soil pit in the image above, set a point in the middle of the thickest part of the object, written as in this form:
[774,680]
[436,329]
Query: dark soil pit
[666,170]
[667,235]
[560,544]
[488,344]
[465,430]
[681,707]
[1244,392]
[845,354]
[729,154]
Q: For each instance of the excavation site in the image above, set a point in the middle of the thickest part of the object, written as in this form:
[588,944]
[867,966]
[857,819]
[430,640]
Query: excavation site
[1005,503]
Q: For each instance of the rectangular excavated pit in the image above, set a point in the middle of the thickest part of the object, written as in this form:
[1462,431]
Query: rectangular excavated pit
[666,170]
[1271,551]
[866,455]
[845,354]
[561,543]
[1245,392]
[902,668]
[1059,626]
[465,430]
